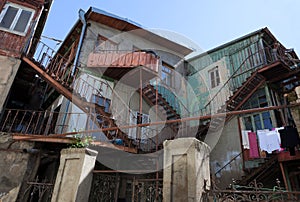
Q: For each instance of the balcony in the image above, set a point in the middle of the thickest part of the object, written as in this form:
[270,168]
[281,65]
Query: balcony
[116,64]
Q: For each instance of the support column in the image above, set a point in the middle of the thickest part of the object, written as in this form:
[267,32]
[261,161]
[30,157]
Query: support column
[186,169]
[74,178]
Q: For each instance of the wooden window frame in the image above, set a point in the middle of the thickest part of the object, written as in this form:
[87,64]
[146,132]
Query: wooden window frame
[167,70]
[214,77]
[103,40]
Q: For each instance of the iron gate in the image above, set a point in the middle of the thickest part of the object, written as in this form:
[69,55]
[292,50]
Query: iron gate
[106,188]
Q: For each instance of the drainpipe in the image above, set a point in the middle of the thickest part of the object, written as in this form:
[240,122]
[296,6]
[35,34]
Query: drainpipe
[84,26]
[81,14]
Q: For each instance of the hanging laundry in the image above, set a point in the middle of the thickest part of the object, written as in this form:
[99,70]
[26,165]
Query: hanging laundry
[245,139]
[261,134]
[289,137]
[268,140]
[277,130]
[253,153]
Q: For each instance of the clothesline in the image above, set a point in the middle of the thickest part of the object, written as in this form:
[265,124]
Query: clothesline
[277,139]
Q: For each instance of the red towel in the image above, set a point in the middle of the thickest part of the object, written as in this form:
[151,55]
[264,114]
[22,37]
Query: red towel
[254,153]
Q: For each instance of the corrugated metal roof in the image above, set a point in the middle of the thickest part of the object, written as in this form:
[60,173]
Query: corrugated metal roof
[263,30]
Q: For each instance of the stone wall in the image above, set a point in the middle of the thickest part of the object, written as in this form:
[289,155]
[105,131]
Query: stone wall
[13,166]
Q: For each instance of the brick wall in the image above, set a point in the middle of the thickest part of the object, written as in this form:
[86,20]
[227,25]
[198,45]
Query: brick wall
[13,44]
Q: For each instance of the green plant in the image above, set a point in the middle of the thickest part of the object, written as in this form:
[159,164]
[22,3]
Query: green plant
[82,141]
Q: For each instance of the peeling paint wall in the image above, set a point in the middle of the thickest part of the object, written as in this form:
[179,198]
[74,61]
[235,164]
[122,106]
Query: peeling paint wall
[227,147]
[8,70]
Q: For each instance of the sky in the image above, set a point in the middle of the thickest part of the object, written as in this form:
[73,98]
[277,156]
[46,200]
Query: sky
[207,23]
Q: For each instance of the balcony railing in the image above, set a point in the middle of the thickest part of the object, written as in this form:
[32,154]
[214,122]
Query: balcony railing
[241,74]
[123,59]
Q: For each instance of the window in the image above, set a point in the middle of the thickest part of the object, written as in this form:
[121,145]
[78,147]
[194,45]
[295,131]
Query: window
[102,101]
[104,44]
[138,118]
[15,18]
[258,99]
[166,74]
[258,121]
[214,77]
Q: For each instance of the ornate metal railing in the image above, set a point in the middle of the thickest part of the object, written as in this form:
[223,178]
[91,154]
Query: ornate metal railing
[148,191]
[38,191]
[253,192]
[105,188]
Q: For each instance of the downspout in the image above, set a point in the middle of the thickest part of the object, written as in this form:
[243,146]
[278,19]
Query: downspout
[84,26]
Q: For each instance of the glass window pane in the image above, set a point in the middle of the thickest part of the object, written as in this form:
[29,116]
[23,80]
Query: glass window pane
[166,75]
[248,123]
[23,21]
[217,77]
[266,115]
[212,79]
[257,122]
[267,120]
[9,17]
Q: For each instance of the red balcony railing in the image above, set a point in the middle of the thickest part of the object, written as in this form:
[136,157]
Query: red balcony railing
[123,59]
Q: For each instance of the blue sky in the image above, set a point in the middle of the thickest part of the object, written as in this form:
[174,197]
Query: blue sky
[207,23]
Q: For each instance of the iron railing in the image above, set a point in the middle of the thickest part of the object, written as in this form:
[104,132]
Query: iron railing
[241,74]
[253,192]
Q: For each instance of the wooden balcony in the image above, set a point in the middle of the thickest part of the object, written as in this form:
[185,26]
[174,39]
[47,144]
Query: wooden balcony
[116,64]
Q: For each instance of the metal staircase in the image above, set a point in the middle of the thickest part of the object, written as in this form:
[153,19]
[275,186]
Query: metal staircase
[252,79]
[258,172]
[61,74]
[152,97]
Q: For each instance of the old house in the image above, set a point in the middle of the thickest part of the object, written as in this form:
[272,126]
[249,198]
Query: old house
[20,22]
[122,90]
[108,78]
[254,71]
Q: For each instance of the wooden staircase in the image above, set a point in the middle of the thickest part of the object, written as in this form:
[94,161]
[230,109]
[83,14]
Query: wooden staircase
[59,72]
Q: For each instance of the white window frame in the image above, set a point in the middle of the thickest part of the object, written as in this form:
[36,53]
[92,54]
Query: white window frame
[134,120]
[216,81]
[16,19]
[166,74]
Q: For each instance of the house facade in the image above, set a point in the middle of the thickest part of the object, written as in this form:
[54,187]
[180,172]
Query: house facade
[127,89]
[119,68]
[20,21]
[254,71]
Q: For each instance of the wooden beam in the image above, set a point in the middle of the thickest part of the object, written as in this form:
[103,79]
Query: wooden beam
[62,90]
[42,138]
[68,140]
[113,146]
[269,67]
[126,171]
[284,176]
[285,156]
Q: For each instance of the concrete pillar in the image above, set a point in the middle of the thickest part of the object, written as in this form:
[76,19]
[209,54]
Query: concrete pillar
[74,177]
[8,70]
[186,170]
